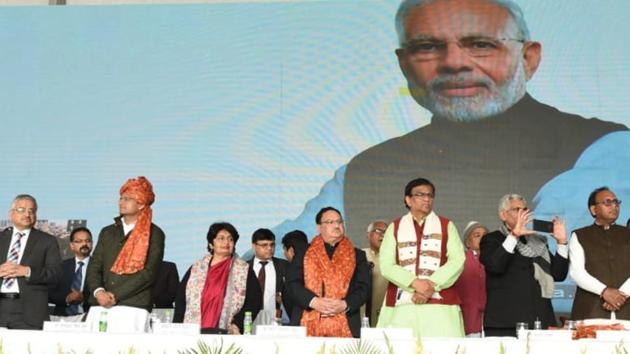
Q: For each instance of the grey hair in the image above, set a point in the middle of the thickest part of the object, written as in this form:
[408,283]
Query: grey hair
[504,202]
[407,5]
[371,227]
[23,197]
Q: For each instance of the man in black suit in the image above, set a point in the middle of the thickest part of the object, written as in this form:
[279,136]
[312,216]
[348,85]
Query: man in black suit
[270,271]
[165,286]
[329,282]
[29,263]
[71,294]
[520,270]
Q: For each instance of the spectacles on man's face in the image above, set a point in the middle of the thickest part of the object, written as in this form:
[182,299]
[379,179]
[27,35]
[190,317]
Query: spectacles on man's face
[82,241]
[333,222]
[610,202]
[266,244]
[429,48]
[422,195]
[25,211]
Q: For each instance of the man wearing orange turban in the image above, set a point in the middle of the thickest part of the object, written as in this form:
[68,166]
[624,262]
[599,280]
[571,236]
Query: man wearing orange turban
[129,251]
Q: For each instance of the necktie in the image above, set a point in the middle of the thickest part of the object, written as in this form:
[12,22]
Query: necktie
[14,255]
[76,285]
[261,275]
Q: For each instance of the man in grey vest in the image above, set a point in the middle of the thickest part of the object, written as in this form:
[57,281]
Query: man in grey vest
[600,264]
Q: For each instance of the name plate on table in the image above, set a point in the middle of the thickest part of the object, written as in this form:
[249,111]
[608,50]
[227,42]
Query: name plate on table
[613,335]
[176,328]
[391,333]
[50,326]
[281,331]
[541,334]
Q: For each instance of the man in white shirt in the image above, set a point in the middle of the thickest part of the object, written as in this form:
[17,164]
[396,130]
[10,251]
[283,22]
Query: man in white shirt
[29,264]
[71,294]
[600,264]
[270,272]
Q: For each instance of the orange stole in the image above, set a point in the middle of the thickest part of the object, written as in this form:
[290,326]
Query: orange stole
[328,278]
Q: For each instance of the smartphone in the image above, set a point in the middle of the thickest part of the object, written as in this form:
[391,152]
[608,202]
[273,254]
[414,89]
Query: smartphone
[543,226]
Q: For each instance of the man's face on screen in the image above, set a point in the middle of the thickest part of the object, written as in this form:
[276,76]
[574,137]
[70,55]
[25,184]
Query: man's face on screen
[465,60]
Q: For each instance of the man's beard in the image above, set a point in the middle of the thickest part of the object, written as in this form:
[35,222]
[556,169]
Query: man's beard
[495,99]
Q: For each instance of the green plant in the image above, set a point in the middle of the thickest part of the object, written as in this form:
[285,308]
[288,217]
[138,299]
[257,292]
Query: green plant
[204,348]
[502,348]
[360,347]
[620,348]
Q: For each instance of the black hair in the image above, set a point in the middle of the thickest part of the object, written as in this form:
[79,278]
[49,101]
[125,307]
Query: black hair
[293,239]
[320,213]
[217,227]
[79,229]
[415,183]
[263,235]
[592,198]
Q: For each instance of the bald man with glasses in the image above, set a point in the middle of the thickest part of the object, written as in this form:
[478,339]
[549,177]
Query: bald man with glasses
[600,264]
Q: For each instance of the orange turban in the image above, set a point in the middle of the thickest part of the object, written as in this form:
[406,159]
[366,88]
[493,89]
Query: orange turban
[133,255]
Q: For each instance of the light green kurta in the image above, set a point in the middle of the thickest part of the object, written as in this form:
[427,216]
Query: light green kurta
[426,320]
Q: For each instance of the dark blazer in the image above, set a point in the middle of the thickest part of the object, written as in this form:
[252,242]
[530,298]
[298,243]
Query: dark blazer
[280,266]
[356,297]
[513,295]
[130,289]
[165,285]
[57,294]
[253,299]
[42,255]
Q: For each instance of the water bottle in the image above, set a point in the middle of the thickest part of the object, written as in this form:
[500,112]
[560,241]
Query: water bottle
[365,322]
[102,322]
[248,323]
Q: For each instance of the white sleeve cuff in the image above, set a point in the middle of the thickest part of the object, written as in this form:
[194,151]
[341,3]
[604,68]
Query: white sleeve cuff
[510,243]
[563,251]
[97,290]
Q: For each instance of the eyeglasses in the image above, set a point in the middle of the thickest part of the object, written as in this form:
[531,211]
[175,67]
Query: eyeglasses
[379,231]
[333,222]
[25,211]
[421,195]
[475,46]
[610,202]
[266,245]
[82,241]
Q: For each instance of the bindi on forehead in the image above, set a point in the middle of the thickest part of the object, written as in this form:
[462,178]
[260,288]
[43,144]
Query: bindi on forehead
[456,19]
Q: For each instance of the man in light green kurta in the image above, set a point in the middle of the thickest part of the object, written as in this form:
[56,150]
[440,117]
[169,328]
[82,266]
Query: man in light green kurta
[424,299]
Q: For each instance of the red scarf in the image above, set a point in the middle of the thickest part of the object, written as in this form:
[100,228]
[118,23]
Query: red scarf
[328,278]
[213,293]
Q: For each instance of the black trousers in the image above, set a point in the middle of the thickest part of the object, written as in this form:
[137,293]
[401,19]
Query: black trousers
[12,314]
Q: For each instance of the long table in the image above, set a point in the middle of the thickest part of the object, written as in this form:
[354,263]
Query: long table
[20,341]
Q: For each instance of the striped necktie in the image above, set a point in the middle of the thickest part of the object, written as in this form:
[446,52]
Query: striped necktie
[77,279]
[14,255]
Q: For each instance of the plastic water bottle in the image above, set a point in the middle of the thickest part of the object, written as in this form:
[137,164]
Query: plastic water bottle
[365,322]
[248,324]
[102,322]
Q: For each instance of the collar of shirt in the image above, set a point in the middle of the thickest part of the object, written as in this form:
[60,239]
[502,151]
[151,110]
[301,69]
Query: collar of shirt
[85,261]
[126,227]
[26,232]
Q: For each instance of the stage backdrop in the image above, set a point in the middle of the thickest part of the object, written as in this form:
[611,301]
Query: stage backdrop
[243,111]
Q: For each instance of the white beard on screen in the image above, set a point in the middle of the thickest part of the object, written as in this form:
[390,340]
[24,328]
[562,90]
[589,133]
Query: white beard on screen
[494,100]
